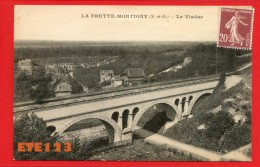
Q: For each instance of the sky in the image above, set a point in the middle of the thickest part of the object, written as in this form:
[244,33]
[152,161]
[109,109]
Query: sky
[65,23]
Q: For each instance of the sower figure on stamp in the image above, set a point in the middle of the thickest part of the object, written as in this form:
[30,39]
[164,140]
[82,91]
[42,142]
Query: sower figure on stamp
[235,37]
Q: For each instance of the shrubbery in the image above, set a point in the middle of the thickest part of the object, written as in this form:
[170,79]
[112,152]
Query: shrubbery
[216,125]
[30,128]
[32,87]
[220,132]
[75,86]
[236,137]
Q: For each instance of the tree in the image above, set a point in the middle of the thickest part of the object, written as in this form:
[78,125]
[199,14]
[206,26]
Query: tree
[35,87]
[30,128]
[22,87]
[42,88]
[75,86]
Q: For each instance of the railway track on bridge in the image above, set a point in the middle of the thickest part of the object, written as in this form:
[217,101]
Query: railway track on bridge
[53,103]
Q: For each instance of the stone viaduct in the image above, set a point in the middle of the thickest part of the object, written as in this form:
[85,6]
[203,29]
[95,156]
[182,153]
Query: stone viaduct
[120,112]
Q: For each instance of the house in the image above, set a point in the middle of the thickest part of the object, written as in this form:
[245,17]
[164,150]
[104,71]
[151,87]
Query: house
[82,65]
[186,61]
[62,65]
[108,79]
[116,80]
[56,79]
[63,89]
[25,66]
[106,75]
[135,76]
[38,70]
[134,72]
[69,66]
[53,69]
[61,85]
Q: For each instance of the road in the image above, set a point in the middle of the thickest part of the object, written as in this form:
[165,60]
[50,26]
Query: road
[196,152]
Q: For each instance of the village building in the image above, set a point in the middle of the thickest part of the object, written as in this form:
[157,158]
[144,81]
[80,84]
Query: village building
[53,69]
[38,70]
[75,66]
[69,66]
[108,79]
[106,75]
[26,66]
[82,65]
[116,80]
[62,65]
[135,76]
[61,85]
[186,61]
[63,89]
[56,79]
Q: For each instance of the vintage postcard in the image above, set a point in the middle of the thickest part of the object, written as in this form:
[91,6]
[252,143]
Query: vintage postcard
[132,83]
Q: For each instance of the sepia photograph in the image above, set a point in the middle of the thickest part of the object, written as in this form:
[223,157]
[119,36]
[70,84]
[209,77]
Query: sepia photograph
[132,83]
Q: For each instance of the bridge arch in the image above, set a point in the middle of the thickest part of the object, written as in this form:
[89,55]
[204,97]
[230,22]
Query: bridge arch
[140,113]
[195,99]
[135,111]
[183,102]
[125,117]
[51,128]
[115,116]
[114,131]
[177,101]
[190,99]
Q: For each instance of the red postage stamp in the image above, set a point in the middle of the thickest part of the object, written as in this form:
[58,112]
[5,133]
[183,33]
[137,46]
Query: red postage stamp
[236,26]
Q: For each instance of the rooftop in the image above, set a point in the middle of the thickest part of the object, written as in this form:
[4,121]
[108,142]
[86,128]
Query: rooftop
[134,72]
[63,87]
[117,77]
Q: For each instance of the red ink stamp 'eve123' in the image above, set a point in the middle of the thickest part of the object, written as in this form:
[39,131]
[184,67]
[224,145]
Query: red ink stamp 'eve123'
[43,147]
[236,26]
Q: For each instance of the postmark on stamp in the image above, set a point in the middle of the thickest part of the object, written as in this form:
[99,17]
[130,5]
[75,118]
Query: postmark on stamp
[236,26]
